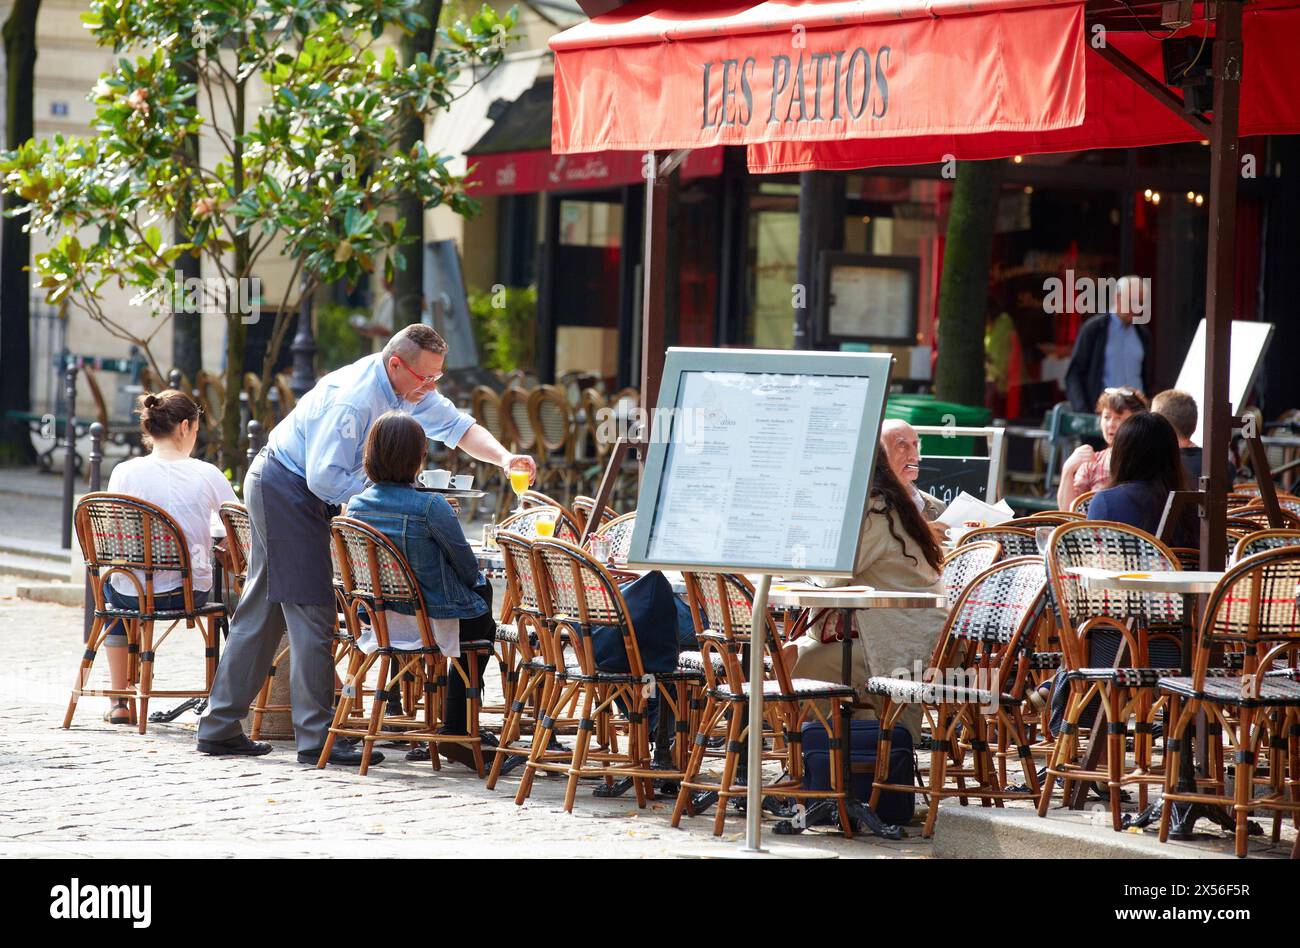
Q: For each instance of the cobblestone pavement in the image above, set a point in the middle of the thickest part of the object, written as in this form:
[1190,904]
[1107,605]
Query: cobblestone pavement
[103,790]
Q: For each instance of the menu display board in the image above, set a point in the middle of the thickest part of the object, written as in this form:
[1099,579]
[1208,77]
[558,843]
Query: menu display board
[761,461]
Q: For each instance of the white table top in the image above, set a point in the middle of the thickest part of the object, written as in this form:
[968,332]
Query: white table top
[851,597]
[1168,581]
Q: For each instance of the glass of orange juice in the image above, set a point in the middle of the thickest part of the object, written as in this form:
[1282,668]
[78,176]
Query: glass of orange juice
[519,483]
[546,525]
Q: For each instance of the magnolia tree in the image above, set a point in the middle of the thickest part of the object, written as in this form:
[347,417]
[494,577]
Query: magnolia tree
[299,106]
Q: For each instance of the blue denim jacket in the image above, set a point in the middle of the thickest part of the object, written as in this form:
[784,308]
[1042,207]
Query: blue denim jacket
[423,527]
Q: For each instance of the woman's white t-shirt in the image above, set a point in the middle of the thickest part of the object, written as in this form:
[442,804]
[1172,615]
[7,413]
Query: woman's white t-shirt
[189,490]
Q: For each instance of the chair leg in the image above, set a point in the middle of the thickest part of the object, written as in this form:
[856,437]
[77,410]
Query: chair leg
[839,749]
[1245,777]
[693,764]
[146,673]
[83,670]
[377,708]
[581,744]
[1115,728]
[510,724]
[552,699]
[1173,744]
[938,767]
[735,731]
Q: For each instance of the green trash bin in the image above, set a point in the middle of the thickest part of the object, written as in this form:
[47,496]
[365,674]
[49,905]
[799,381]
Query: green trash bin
[926,410]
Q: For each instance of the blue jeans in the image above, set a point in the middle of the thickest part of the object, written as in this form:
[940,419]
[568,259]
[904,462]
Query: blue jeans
[171,601]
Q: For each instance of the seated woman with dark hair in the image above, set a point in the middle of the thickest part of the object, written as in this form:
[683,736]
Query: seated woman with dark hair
[1145,466]
[898,552]
[422,525]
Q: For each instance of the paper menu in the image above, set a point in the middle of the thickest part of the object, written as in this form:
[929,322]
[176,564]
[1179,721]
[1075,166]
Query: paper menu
[964,507]
[758,469]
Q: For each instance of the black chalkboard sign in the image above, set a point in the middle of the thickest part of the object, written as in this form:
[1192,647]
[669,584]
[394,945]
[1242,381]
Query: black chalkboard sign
[946,477]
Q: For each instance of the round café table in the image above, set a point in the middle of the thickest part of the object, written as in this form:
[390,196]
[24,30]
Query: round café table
[1189,584]
[847,599]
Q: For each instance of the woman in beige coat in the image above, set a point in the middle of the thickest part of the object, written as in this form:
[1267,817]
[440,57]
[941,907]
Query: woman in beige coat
[897,551]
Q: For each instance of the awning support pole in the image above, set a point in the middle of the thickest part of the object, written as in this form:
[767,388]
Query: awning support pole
[1154,87]
[660,167]
[1225,171]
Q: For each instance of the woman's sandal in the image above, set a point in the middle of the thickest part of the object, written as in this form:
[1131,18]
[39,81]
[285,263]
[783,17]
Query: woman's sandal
[111,715]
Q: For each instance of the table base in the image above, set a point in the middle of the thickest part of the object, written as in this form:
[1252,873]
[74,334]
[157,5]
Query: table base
[197,705]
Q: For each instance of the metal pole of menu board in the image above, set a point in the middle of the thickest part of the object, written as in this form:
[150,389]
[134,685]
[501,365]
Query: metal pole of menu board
[754,776]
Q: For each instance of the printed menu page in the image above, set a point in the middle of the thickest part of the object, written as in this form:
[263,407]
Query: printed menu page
[758,470]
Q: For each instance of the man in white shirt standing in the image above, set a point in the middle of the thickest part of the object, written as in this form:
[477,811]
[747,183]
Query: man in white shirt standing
[311,465]
[903,448]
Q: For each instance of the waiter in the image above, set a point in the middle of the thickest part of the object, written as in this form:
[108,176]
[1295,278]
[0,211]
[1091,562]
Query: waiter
[311,465]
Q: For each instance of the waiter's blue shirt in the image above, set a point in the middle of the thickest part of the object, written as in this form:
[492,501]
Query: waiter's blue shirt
[1124,353]
[324,437]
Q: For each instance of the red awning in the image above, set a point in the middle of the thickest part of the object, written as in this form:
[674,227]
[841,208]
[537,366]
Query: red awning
[532,172]
[664,74]
[1120,113]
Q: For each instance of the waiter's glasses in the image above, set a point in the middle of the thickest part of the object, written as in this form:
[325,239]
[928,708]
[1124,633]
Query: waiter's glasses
[422,379]
[1121,392]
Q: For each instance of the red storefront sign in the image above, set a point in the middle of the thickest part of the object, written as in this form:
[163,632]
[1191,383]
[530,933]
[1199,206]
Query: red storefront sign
[681,74]
[532,172]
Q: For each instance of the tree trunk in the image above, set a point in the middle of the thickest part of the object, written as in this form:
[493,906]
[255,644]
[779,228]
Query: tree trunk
[232,451]
[187,329]
[963,291]
[408,284]
[15,245]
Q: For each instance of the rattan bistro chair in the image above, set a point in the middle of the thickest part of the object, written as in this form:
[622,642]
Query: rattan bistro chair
[534,677]
[1125,690]
[787,703]
[525,523]
[584,509]
[983,643]
[551,416]
[121,535]
[1081,503]
[239,539]
[1015,541]
[1253,608]
[965,563]
[578,594]
[1264,540]
[619,533]
[375,577]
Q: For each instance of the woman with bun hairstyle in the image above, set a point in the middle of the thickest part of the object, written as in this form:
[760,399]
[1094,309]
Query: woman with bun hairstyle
[190,491]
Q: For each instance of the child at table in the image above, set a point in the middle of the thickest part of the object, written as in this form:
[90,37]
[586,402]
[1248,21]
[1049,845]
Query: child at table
[457,597]
[190,491]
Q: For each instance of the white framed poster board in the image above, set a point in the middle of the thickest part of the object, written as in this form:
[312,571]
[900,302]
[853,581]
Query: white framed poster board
[1249,342]
[760,461]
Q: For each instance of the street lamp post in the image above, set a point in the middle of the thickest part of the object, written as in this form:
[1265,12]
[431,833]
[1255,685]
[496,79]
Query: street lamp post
[304,347]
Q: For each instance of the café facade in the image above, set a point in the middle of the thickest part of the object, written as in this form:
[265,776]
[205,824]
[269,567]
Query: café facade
[778,259]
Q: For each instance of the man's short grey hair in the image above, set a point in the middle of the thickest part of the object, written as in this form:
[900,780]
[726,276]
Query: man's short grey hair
[408,343]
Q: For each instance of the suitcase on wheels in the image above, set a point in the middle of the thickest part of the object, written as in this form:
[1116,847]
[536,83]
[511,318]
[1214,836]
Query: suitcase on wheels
[895,807]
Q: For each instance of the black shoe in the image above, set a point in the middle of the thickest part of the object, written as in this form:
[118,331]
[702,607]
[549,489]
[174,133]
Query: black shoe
[239,746]
[616,789]
[350,756]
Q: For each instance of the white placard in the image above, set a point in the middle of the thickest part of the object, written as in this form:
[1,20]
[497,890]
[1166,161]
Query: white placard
[762,471]
[1249,340]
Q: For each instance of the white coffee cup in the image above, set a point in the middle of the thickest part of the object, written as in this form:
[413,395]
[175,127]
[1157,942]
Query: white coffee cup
[438,480]
[462,481]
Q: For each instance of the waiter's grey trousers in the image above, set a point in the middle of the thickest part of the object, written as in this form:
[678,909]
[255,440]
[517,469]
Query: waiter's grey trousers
[255,631]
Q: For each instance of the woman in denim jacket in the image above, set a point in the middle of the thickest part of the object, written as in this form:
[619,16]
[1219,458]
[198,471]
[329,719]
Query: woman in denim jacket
[423,526]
